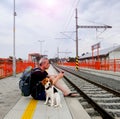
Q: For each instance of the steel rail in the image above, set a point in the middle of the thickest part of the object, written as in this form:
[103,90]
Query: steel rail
[103,113]
[117,93]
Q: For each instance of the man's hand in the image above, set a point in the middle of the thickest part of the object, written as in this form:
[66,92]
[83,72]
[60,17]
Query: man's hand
[60,75]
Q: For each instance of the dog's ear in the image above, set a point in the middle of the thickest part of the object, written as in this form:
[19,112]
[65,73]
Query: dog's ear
[51,81]
[43,82]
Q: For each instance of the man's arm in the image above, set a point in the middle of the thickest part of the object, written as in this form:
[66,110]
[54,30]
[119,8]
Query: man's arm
[55,78]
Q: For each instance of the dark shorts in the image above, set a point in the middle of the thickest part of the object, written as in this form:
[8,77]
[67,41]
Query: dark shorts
[38,94]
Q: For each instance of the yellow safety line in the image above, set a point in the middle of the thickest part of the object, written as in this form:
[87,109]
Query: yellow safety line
[29,111]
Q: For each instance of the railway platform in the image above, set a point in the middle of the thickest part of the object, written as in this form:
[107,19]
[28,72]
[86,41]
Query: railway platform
[15,106]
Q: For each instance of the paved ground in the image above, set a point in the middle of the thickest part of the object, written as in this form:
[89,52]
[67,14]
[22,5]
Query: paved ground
[10,97]
[9,94]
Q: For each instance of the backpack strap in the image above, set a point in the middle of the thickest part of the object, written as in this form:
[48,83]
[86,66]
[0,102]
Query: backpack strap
[35,70]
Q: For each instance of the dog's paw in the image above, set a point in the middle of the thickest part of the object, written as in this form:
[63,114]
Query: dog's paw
[58,105]
[51,105]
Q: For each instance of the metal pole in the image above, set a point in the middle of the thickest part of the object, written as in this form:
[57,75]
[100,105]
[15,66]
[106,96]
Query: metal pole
[41,45]
[14,57]
[58,52]
[76,34]
[76,40]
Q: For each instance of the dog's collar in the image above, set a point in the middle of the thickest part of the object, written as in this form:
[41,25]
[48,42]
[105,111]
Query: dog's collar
[48,87]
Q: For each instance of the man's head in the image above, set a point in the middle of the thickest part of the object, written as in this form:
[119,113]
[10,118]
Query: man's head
[44,63]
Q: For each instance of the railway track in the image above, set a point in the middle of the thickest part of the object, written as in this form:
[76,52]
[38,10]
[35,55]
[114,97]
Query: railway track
[99,101]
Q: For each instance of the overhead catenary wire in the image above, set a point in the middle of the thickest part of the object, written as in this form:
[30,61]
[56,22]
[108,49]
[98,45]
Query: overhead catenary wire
[71,14]
[69,20]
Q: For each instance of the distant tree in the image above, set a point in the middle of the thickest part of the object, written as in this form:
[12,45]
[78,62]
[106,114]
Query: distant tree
[20,59]
[54,60]
[83,54]
[11,57]
[71,59]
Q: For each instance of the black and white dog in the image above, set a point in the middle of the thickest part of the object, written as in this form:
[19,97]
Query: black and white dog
[52,95]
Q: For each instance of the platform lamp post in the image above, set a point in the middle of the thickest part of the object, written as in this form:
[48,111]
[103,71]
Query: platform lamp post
[41,41]
[14,57]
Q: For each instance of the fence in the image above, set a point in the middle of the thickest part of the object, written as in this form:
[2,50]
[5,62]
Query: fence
[7,70]
[108,65]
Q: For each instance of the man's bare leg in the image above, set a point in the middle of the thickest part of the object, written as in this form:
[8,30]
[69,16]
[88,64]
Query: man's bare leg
[63,87]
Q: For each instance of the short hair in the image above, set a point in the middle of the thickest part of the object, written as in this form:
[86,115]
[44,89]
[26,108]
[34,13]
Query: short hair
[42,60]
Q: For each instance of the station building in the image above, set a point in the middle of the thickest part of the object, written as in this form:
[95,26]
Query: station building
[104,54]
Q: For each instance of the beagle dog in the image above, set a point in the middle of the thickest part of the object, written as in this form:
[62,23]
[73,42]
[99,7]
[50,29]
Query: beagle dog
[52,95]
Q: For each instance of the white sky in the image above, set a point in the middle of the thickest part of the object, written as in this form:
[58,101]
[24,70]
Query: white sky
[52,20]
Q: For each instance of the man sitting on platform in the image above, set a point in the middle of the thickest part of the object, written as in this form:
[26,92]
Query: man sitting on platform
[37,89]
